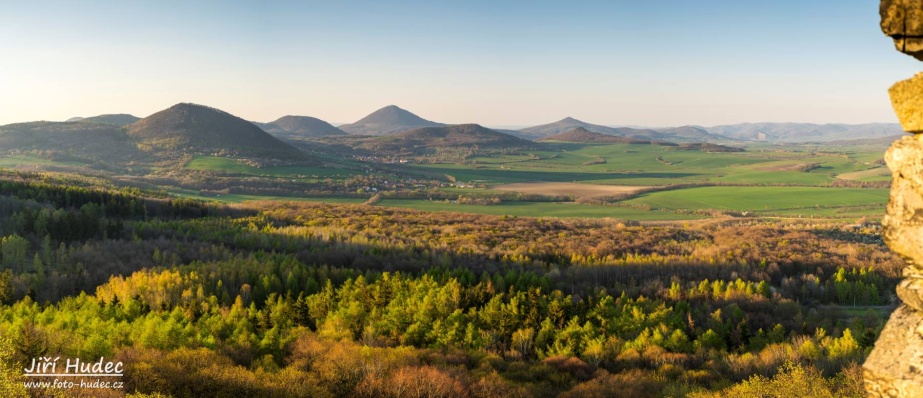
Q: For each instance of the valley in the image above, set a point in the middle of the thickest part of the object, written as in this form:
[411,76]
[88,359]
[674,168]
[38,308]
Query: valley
[461,199]
[592,171]
[630,245]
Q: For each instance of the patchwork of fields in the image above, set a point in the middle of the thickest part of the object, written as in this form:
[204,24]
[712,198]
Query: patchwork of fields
[621,181]
[785,182]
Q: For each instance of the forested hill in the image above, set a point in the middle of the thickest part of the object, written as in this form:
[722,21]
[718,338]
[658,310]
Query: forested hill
[569,123]
[437,144]
[582,135]
[118,119]
[460,136]
[196,129]
[296,127]
[102,145]
[388,120]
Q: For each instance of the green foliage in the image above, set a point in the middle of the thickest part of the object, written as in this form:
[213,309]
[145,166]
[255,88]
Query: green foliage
[296,299]
[794,380]
[10,376]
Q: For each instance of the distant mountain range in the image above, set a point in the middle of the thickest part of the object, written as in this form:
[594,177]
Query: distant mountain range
[676,134]
[184,130]
[805,132]
[582,135]
[388,120]
[393,120]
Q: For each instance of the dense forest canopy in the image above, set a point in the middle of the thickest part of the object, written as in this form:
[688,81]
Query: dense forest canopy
[306,299]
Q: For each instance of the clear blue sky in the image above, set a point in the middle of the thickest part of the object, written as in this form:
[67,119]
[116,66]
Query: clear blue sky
[655,63]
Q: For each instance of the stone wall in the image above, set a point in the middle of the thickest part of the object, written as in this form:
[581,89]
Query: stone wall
[895,366]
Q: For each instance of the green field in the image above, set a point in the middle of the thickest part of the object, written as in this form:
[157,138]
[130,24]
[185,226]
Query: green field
[238,198]
[541,209]
[634,164]
[32,160]
[762,199]
[769,181]
[214,163]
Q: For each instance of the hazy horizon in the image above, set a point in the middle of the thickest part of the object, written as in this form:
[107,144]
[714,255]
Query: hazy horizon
[512,64]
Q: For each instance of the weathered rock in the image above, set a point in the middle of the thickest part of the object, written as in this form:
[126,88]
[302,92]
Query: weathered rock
[895,367]
[903,21]
[907,100]
[903,225]
[910,290]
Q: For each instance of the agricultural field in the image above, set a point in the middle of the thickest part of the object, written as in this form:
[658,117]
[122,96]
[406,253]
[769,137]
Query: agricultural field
[622,181]
[792,181]
[542,209]
[761,199]
[225,165]
[568,188]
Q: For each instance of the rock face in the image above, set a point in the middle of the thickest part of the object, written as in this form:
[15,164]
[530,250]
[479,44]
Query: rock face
[895,366]
[908,103]
[903,21]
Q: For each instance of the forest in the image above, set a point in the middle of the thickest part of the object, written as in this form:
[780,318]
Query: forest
[291,299]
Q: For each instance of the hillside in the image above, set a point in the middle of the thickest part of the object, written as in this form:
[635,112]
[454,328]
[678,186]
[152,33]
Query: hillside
[195,129]
[689,133]
[582,135]
[429,140]
[117,119]
[882,142]
[569,123]
[388,120]
[294,127]
[707,147]
[82,141]
[805,132]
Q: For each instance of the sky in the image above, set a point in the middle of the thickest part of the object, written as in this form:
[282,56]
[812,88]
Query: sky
[497,63]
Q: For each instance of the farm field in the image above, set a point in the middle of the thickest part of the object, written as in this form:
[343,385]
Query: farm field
[633,164]
[568,188]
[238,198]
[794,181]
[32,160]
[219,164]
[542,209]
[763,181]
[762,199]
